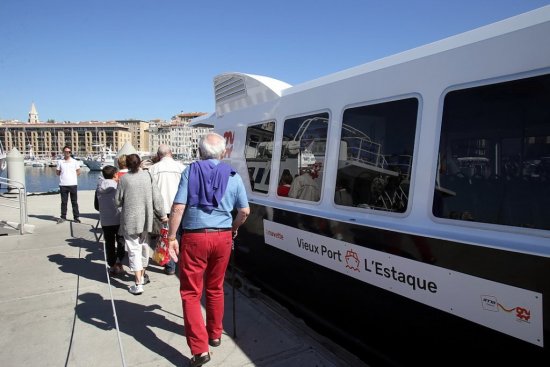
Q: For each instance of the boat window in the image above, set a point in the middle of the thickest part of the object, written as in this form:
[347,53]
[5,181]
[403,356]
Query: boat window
[494,154]
[302,156]
[376,153]
[258,155]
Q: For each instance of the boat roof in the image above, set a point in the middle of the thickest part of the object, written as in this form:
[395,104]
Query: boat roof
[234,91]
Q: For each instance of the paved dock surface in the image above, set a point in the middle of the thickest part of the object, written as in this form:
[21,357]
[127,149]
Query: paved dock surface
[58,307]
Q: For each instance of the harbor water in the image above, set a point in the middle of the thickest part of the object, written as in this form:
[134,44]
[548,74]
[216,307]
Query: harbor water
[45,179]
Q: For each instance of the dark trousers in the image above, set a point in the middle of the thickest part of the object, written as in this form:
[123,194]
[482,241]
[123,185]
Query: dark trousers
[111,238]
[65,191]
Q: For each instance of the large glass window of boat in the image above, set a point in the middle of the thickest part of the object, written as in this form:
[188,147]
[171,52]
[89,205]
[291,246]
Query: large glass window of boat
[303,156]
[376,154]
[258,155]
[494,154]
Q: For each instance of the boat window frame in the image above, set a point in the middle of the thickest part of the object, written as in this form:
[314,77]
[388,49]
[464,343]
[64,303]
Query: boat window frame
[322,177]
[256,169]
[437,141]
[415,151]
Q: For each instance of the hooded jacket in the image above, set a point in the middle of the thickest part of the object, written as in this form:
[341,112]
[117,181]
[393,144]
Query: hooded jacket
[109,214]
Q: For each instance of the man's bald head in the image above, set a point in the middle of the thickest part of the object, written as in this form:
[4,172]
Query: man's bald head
[164,151]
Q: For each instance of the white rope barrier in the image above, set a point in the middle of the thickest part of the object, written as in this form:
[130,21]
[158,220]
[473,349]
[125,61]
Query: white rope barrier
[113,305]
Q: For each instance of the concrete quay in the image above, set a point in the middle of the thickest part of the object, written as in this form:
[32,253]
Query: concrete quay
[58,307]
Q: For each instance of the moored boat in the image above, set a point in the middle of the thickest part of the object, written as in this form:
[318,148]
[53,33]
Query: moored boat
[442,242]
[97,162]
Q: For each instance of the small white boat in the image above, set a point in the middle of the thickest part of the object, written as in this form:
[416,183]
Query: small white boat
[39,164]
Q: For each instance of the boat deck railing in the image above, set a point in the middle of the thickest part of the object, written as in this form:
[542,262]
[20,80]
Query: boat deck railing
[365,151]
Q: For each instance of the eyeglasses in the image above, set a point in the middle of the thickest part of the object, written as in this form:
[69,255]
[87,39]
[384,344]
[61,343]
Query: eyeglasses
[66,151]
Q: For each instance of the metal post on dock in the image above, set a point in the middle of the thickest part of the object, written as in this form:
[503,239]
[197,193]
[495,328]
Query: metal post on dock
[16,169]
[15,183]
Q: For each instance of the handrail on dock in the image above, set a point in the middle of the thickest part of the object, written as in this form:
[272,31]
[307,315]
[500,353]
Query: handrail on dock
[21,200]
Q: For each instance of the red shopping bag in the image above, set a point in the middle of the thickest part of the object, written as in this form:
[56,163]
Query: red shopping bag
[161,255]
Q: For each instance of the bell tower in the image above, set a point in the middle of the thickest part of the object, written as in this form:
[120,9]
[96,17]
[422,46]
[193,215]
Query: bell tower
[33,115]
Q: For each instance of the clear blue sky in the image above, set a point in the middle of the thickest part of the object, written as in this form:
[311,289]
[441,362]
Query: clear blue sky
[82,60]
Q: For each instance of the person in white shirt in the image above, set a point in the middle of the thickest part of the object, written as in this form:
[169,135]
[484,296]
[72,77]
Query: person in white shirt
[68,170]
[167,173]
[305,186]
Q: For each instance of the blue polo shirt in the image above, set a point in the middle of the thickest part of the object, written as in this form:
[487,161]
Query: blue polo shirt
[220,217]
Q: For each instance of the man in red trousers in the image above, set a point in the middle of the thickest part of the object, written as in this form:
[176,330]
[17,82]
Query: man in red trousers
[209,191]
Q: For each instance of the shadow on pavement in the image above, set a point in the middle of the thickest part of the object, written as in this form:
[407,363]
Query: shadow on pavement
[44,217]
[82,267]
[138,322]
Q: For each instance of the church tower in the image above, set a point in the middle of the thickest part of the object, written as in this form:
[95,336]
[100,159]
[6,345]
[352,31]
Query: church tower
[33,115]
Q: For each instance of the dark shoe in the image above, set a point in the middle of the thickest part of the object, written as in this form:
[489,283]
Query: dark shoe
[145,279]
[76,220]
[60,220]
[215,342]
[169,271]
[119,269]
[199,360]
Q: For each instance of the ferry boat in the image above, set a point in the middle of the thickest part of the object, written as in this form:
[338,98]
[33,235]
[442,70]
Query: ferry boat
[443,250]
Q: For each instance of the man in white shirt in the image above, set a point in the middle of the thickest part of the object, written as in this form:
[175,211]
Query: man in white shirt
[305,186]
[167,173]
[68,170]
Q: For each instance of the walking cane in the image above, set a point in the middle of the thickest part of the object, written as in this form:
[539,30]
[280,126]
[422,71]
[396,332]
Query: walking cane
[233,283]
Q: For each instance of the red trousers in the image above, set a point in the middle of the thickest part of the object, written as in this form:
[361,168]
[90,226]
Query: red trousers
[203,262]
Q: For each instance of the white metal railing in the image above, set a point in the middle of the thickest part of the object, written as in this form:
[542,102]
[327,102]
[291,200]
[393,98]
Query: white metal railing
[364,150]
[21,200]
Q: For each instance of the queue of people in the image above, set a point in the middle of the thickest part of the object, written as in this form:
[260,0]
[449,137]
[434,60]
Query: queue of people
[196,202]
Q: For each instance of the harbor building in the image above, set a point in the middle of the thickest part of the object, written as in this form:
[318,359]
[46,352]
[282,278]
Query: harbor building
[182,138]
[36,139]
[139,132]
[47,139]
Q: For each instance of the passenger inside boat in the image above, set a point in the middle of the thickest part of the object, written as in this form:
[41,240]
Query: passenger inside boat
[342,195]
[305,187]
[284,183]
